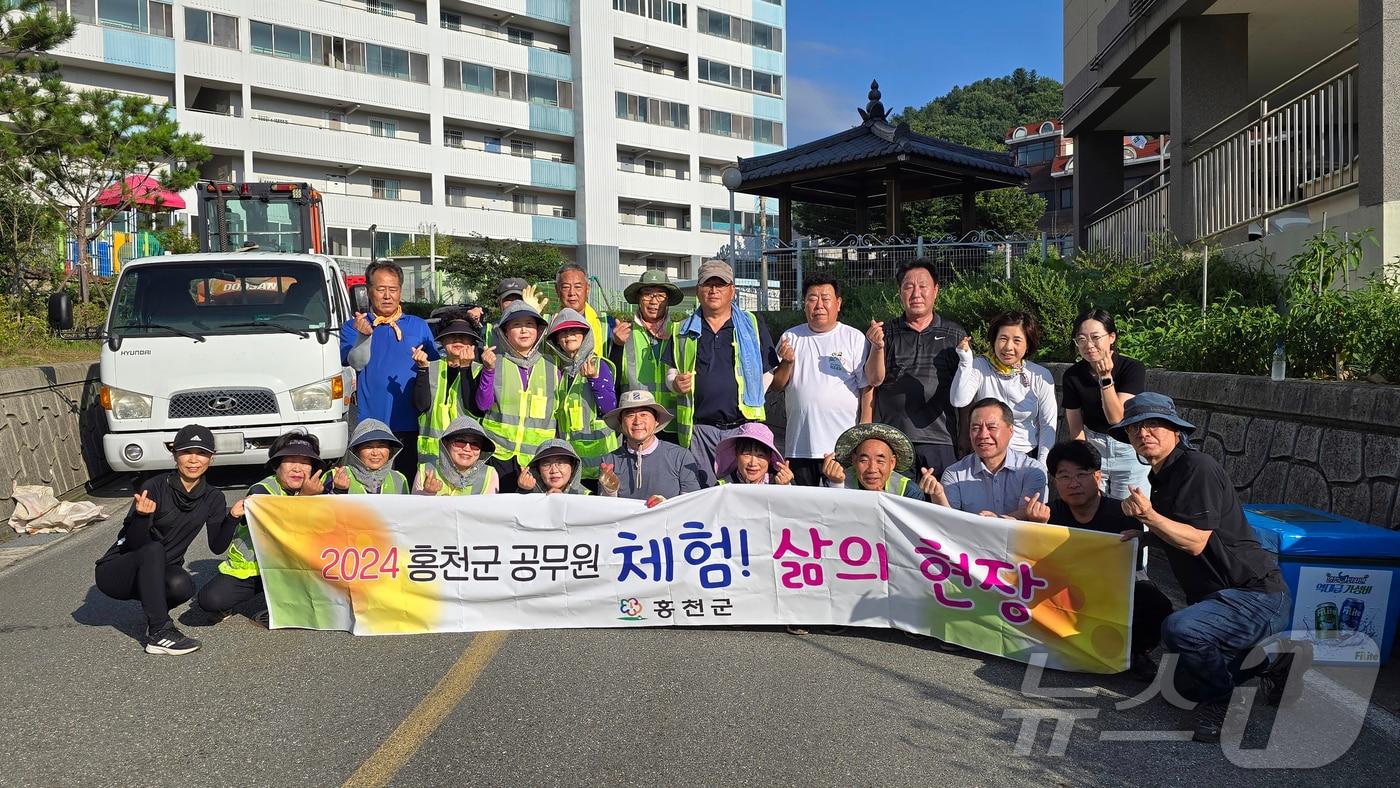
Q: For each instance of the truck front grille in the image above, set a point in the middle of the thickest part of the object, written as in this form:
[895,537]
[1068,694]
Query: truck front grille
[211,403]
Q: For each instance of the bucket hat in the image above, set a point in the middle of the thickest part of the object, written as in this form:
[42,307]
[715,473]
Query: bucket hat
[631,400]
[1145,406]
[727,459]
[653,278]
[852,438]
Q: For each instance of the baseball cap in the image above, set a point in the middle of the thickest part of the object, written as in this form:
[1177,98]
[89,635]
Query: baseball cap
[510,286]
[193,436]
[715,269]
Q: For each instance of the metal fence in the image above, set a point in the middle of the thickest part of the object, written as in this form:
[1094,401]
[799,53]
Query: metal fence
[856,260]
[1133,224]
[1278,156]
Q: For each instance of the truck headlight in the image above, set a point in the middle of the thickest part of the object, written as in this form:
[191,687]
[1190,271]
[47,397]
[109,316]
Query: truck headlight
[125,404]
[316,396]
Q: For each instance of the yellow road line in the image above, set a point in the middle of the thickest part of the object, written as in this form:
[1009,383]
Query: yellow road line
[403,743]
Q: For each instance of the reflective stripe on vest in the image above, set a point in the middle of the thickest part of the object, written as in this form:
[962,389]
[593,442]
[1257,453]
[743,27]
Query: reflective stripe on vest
[522,417]
[644,366]
[896,485]
[685,348]
[581,423]
[446,406]
[479,488]
[394,484]
[242,561]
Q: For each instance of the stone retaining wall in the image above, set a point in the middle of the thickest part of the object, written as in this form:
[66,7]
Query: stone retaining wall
[52,429]
[1330,445]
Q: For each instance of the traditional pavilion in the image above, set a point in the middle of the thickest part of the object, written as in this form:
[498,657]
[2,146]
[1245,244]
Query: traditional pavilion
[876,165]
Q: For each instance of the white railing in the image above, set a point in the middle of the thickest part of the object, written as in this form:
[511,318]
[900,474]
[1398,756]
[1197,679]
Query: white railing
[1133,229]
[1288,155]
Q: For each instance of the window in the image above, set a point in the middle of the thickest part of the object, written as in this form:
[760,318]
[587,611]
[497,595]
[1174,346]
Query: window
[1048,197]
[741,78]
[384,188]
[1047,127]
[493,144]
[457,196]
[728,124]
[656,218]
[379,127]
[742,30]
[508,84]
[543,90]
[653,111]
[1066,197]
[452,138]
[384,7]
[333,51]
[653,65]
[667,11]
[655,264]
[520,36]
[450,21]
[225,31]
[654,168]
[197,26]
[524,203]
[1037,152]
[522,148]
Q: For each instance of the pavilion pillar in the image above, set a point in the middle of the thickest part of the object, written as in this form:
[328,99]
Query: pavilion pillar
[969,211]
[785,218]
[894,200]
[862,214]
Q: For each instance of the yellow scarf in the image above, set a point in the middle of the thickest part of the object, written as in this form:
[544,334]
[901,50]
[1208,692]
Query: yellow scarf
[1002,369]
[392,321]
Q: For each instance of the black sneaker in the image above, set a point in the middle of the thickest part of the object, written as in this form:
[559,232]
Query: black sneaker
[261,619]
[1143,668]
[171,642]
[1275,684]
[1210,718]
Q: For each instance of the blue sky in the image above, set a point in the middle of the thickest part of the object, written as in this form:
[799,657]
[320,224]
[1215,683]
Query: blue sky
[917,49]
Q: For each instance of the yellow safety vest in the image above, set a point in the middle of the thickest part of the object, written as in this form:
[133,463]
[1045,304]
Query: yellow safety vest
[896,485]
[580,422]
[644,363]
[521,418]
[446,407]
[479,489]
[242,561]
[685,349]
[394,484]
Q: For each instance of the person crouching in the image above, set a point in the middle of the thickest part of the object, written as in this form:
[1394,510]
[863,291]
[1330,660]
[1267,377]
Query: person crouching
[294,459]
[368,466]
[874,457]
[554,470]
[749,456]
[463,467]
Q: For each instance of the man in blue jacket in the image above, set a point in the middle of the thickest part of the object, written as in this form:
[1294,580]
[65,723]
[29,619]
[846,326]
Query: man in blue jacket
[379,347]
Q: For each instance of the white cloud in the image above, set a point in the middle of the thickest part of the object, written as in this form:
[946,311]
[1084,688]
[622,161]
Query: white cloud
[814,110]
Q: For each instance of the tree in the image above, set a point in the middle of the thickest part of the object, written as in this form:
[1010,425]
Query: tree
[65,147]
[480,263]
[419,247]
[29,28]
[31,241]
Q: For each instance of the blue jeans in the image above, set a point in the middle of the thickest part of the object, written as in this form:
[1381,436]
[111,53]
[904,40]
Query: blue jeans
[1213,636]
[1121,469]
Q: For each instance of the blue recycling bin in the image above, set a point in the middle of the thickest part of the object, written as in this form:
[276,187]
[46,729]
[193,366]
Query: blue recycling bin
[1343,577]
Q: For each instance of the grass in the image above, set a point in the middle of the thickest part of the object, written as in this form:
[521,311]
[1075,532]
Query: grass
[48,351]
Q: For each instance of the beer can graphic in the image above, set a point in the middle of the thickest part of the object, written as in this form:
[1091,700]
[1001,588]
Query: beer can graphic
[1325,620]
[1351,614]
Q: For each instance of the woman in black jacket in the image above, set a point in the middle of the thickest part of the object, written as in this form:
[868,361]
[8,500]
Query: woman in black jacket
[147,561]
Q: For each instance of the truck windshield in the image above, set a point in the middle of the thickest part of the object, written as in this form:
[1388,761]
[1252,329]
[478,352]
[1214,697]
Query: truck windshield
[214,297]
[275,225]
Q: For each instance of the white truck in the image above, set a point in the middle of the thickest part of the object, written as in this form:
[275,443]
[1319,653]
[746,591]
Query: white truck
[244,343]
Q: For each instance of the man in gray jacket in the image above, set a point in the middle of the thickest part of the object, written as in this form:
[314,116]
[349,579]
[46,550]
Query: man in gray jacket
[643,467]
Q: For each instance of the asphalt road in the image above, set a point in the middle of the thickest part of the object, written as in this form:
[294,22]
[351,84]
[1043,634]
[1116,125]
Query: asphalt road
[83,705]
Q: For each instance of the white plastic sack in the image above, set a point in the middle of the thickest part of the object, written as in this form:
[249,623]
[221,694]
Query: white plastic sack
[38,511]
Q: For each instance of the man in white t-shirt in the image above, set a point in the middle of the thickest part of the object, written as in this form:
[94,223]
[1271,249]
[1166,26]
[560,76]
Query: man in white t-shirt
[822,367]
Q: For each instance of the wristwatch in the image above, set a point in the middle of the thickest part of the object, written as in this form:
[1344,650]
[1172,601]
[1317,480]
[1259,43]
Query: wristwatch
[1105,382]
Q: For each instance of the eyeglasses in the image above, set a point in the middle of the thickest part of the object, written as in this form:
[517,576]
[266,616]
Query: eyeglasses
[1083,477]
[1092,339]
[1151,424]
[653,295]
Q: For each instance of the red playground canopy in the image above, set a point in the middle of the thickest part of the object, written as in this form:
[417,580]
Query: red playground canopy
[143,190]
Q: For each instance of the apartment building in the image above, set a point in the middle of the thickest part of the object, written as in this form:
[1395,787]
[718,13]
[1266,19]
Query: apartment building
[597,125]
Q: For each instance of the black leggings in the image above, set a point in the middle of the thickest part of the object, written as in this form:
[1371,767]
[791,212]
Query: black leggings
[223,593]
[143,574]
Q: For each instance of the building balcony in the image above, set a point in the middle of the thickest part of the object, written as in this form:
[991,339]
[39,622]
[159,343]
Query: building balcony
[505,223]
[633,184]
[125,49]
[292,78]
[491,110]
[349,210]
[474,162]
[278,138]
[226,132]
[666,239]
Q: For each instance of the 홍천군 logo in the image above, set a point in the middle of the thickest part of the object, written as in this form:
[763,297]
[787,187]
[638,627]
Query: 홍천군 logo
[631,609]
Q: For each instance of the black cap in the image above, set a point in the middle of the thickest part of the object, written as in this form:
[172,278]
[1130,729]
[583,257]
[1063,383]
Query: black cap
[458,327]
[193,436]
[295,447]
